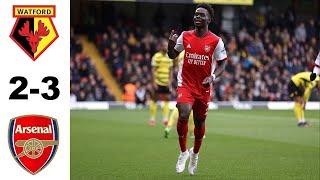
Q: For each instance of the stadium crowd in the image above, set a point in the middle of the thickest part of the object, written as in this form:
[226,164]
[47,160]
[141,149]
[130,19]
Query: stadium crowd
[263,55]
[128,53]
[85,82]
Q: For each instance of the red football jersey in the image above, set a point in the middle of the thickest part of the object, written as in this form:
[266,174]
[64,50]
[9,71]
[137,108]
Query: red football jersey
[200,58]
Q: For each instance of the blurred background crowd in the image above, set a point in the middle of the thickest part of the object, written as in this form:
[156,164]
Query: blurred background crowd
[85,82]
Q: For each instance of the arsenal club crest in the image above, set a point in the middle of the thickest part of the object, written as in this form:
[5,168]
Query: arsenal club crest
[34,30]
[206,48]
[33,141]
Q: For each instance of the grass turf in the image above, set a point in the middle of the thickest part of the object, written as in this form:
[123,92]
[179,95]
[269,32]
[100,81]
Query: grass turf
[257,144]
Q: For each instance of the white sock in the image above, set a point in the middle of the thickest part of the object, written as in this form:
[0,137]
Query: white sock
[185,152]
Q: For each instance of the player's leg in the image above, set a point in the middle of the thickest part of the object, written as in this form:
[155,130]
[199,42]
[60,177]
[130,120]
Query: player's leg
[182,124]
[182,129]
[172,120]
[153,108]
[199,131]
[299,110]
[184,104]
[191,125]
[296,94]
[306,96]
[200,109]
[165,112]
[165,109]
[164,96]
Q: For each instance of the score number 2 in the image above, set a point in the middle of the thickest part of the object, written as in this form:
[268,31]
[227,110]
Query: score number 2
[16,94]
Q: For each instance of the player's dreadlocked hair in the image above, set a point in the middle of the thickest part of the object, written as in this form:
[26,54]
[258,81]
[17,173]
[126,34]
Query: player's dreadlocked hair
[208,7]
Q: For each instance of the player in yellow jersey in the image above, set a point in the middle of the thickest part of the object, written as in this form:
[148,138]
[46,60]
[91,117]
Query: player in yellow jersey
[162,74]
[299,89]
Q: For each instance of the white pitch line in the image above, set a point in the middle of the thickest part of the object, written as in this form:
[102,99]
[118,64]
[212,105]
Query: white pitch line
[266,117]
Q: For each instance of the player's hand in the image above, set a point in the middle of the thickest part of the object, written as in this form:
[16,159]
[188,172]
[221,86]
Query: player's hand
[173,37]
[208,80]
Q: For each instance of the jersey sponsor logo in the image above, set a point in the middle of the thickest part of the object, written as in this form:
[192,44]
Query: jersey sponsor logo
[34,30]
[197,59]
[197,56]
[33,141]
[206,48]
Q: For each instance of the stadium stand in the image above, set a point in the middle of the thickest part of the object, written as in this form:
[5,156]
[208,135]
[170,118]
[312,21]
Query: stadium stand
[85,83]
[128,54]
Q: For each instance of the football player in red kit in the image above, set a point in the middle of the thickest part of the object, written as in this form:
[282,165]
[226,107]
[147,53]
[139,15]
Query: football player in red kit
[204,61]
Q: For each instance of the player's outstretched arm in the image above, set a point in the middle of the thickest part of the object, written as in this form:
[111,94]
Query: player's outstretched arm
[172,53]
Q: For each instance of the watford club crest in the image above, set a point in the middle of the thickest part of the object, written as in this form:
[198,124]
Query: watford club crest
[34,30]
[33,141]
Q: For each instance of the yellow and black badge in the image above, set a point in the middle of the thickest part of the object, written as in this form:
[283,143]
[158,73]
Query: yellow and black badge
[34,30]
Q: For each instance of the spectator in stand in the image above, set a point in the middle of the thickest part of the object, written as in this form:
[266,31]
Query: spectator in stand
[141,95]
[129,94]
[300,33]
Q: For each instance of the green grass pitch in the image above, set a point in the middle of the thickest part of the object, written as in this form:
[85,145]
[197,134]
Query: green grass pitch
[256,144]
